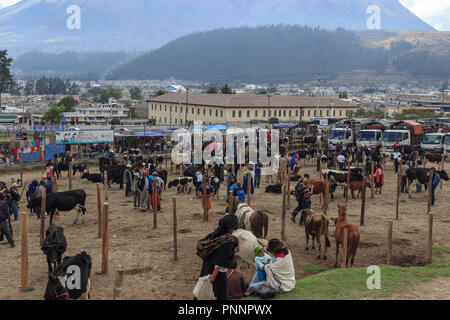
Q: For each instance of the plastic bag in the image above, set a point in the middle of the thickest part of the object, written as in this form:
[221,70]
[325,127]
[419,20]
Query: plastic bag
[203,289]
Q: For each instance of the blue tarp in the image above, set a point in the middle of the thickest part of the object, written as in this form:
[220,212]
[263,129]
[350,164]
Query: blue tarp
[124,135]
[284,125]
[29,157]
[216,127]
[52,149]
[149,134]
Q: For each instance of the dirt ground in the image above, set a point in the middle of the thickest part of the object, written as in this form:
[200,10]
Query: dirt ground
[147,254]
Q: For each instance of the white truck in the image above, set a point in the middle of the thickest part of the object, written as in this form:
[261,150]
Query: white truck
[447,145]
[341,135]
[434,142]
[402,133]
[370,138]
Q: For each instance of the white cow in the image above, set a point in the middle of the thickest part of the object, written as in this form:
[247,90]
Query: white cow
[247,241]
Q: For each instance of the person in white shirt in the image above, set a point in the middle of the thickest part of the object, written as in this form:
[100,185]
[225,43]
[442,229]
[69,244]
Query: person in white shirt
[397,156]
[341,161]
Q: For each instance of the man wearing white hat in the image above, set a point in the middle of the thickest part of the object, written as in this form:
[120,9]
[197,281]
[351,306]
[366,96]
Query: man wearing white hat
[128,179]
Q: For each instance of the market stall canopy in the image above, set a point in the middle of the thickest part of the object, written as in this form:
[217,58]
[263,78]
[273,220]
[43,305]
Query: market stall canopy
[124,135]
[216,127]
[284,125]
[149,134]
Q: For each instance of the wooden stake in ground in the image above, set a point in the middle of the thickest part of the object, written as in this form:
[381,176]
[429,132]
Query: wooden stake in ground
[105,242]
[55,183]
[289,188]
[249,189]
[21,170]
[43,209]
[155,204]
[327,196]
[344,248]
[389,253]
[70,175]
[99,209]
[363,200]
[430,237]
[175,241]
[24,278]
[205,201]
[399,183]
[372,182]
[118,284]
[430,189]
[348,181]
[230,202]
[283,216]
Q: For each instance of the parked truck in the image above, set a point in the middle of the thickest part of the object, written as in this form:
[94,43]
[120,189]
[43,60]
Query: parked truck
[434,142]
[402,133]
[371,135]
[344,132]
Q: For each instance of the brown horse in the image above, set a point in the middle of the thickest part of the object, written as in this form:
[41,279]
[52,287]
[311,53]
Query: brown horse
[252,220]
[353,235]
[316,225]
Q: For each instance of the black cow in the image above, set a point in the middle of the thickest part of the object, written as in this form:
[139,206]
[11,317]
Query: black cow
[215,183]
[115,174]
[61,166]
[92,177]
[277,188]
[421,175]
[106,163]
[54,245]
[78,168]
[75,273]
[63,202]
[310,140]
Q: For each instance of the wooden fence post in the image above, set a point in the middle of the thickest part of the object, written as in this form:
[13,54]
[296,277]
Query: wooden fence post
[70,175]
[99,209]
[348,181]
[43,209]
[363,200]
[430,189]
[249,189]
[204,200]
[155,204]
[55,183]
[372,183]
[430,237]
[389,253]
[289,189]
[118,284]
[344,249]
[21,170]
[105,242]
[175,240]
[230,202]
[399,183]
[24,269]
[283,216]
[327,195]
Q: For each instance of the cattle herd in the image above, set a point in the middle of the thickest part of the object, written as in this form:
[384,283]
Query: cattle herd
[253,223]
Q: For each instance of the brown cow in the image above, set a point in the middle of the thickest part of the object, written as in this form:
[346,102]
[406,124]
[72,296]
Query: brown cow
[353,235]
[316,225]
[357,186]
[319,187]
[432,157]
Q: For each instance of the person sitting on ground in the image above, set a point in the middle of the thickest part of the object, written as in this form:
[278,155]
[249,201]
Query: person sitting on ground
[280,271]
[261,259]
[237,286]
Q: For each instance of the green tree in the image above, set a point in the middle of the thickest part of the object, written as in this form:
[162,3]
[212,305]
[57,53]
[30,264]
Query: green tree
[136,93]
[152,122]
[115,121]
[68,103]
[343,95]
[131,109]
[159,93]
[29,88]
[226,90]
[106,94]
[15,90]
[6,79]
[53,114]
[212,90]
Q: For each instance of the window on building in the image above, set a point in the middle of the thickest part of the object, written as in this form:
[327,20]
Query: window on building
[221,113]
[176,109]
[256,114]
[240,114]
[181,109]
[309,113]
[334,113]
[321,113]
[248,114]
[340,113]
[296,113]
[198,111]
[234,114]
[270,113]
[284,113]
[275,113]
[264,113]
[217,113]
[193,111]
[165,120]
[328,113]
[176,120]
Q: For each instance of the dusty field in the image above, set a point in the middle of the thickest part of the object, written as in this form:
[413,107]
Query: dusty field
[146,254]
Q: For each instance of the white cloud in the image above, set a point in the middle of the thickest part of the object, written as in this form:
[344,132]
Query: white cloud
[434,12]
[7,3]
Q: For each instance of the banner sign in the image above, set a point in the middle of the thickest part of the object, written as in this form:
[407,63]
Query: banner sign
[52,149]
[29,157]
[83,137]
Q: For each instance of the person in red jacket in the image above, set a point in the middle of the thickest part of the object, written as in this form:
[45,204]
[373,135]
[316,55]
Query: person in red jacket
[379,179]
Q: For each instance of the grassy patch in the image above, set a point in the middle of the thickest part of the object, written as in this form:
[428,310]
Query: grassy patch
[348,284]
[440,249]
[312,268]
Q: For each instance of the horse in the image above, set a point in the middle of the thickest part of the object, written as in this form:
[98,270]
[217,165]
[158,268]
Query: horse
[252,220]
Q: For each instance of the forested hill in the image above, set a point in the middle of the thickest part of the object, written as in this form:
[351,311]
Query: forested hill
[279,53]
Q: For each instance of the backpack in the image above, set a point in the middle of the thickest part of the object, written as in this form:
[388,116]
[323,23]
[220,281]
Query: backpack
[206,246]
[266,292]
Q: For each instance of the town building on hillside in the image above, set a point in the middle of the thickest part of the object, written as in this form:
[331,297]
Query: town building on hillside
[170,108]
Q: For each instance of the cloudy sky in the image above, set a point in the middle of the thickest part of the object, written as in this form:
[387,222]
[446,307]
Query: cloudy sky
[434,12]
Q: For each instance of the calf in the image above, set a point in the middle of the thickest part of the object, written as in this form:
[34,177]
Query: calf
[182,184]
[277,188]
[54,245]
[317,225]
[75,273]
[245,250]
[215,183]
[353,235]
[93,177]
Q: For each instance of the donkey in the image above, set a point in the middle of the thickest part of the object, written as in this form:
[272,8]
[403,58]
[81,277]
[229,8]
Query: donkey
[316,226]
[353,235]
[252,220]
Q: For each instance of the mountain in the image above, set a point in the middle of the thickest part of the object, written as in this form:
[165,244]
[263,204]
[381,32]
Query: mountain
[69,64]
[289,53]
[142,25]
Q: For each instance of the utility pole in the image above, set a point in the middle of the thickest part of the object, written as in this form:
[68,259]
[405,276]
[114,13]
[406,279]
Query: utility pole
[318,95]
[187,101]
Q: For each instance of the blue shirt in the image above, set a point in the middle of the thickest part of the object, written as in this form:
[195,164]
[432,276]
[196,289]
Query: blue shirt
[258,168]
[241,195]
[49,187]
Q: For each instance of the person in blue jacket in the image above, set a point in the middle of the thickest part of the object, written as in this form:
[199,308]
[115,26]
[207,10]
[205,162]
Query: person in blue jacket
[245,184]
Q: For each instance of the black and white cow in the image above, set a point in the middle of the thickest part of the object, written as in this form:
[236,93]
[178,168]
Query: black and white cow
[54,245]
[63,202]
[183,184]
